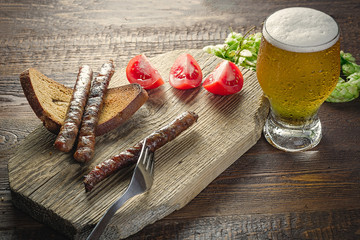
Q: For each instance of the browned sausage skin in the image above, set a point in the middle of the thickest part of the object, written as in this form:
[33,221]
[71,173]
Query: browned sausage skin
[156,140]
[86,141]
[69,130]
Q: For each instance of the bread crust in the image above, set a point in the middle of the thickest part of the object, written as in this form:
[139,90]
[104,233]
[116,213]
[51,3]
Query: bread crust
[49,122]
[127,112]
[53,122]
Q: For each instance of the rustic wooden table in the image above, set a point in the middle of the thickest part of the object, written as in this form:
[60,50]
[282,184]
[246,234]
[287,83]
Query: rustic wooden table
[266,194]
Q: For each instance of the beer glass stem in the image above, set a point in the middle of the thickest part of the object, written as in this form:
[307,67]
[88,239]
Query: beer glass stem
[292,138]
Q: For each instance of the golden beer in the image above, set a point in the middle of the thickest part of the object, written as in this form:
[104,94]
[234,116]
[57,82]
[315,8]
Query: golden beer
[295,83]
[298,67]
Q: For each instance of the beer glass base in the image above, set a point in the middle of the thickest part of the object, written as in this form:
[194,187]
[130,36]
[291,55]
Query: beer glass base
[291,138]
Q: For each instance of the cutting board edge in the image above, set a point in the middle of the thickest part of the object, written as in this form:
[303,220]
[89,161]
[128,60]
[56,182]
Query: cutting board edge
[43,215]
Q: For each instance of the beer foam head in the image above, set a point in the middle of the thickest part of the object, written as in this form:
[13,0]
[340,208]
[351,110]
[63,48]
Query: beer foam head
[301,29]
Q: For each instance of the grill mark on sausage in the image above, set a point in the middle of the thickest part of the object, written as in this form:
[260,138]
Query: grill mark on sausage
[86,141]
[69,130]
[128,157]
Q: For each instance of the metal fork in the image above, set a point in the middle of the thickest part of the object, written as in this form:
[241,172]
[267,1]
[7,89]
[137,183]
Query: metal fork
[141,181]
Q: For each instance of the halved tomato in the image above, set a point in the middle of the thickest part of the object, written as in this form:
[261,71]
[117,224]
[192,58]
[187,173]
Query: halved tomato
[185,73]
[225,79]
[139,70]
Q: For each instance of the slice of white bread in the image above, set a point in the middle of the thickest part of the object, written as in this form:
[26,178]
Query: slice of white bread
[49,100]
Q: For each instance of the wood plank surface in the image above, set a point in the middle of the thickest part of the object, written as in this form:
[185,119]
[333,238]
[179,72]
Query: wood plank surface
[266,194]
[47,183]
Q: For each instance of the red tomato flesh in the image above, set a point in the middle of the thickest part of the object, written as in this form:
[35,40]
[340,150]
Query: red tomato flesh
[139,70]
[225,79]
[185,73]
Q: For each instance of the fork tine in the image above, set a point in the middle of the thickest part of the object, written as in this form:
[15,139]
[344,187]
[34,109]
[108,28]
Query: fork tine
[151,163]
[149,160]
[143,153]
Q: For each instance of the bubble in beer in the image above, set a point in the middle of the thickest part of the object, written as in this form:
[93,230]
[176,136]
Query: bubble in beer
[300,29]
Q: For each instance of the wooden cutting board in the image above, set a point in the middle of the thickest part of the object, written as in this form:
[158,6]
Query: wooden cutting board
[47,184]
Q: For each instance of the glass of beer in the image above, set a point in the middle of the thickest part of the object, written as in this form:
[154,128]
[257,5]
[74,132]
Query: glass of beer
[298,67]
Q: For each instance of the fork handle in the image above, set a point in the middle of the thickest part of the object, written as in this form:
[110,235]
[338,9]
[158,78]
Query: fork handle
[101,225]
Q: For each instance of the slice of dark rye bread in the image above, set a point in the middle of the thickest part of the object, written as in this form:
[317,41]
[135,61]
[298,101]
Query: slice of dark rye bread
[49,100]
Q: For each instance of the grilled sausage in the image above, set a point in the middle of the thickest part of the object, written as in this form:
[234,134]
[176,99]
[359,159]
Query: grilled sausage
[69,130]
[156,140]
[86,141]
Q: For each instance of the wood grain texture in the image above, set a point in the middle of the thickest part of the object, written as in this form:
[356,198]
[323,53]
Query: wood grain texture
[58,36]
[48,184]
[302,225]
